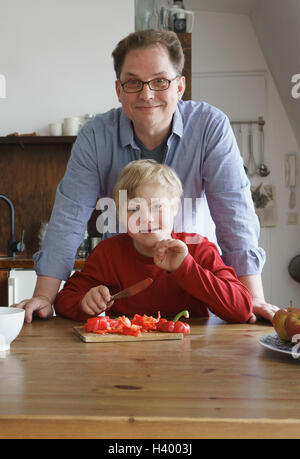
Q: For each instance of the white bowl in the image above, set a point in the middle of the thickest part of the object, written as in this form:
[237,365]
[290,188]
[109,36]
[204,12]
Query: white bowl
[11,323]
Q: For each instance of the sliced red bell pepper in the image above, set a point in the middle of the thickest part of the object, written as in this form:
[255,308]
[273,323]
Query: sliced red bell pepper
[134,330]
[123,325]
[96,323]
[146,322]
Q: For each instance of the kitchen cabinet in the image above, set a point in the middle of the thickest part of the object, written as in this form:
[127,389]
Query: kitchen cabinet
[21,284]
[17,279]
[186,43]
[34,166]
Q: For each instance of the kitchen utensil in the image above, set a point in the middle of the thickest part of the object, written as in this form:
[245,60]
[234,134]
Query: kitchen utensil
[294,268]
[262,169]
[239,138]
[132,290]
[150,336]
[251,165]
[179,19]
[292,198]
[291,172]
[94,241]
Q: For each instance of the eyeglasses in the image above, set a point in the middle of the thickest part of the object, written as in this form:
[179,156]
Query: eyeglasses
[157,84]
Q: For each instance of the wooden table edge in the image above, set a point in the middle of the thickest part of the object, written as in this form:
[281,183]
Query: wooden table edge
[139,427]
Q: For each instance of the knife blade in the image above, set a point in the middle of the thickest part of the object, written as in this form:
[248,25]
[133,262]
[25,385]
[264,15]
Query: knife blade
[132,290]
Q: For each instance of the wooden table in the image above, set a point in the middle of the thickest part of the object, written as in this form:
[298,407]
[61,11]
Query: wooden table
[218,382]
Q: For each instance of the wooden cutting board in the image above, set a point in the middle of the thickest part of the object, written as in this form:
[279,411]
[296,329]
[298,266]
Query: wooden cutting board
[150,336]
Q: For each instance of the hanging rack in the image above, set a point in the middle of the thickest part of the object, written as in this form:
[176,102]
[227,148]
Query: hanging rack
[260,122]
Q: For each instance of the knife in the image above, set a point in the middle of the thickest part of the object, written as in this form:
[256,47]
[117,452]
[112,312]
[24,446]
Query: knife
[132,290]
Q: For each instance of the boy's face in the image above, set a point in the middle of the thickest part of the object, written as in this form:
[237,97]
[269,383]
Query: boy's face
[150,217]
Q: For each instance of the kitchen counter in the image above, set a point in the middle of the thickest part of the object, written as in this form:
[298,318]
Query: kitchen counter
[218,382]
[27,263]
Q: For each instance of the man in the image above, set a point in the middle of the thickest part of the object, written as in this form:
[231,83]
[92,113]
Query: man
[194,139]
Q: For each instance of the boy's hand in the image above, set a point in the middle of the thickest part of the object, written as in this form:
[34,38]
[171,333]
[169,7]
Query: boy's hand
[169,254]
[95,301]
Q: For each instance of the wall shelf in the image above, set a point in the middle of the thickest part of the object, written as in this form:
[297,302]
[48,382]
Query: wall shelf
[30,139]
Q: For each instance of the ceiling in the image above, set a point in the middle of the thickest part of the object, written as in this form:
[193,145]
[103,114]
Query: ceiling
[222,6]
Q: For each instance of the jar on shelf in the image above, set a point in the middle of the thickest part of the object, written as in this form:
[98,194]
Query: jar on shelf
[84,249]
[41,234]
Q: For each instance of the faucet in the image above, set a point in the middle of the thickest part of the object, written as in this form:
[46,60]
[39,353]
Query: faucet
[13,246]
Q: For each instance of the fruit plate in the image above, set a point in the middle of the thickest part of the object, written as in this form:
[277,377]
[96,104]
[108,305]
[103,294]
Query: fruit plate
[277,344]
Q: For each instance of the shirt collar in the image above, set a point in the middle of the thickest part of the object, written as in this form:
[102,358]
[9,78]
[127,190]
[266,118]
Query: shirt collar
[177,127]
[127,134]
[126,131]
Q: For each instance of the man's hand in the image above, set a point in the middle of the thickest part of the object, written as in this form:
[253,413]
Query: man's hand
[39,305]
[262,310]
[169,254]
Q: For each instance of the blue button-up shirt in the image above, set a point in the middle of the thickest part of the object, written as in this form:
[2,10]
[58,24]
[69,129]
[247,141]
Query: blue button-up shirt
[203,151]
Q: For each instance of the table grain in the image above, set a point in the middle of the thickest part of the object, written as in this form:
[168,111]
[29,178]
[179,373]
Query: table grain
[218,382]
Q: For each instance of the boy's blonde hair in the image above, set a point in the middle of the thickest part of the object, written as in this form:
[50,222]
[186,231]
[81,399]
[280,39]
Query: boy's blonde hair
[146,171]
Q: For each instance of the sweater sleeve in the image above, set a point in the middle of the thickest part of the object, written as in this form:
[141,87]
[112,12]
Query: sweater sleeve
[204,276]
[68,300]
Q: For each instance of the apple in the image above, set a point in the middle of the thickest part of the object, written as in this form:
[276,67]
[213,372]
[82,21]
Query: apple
[279,322]
[292,323]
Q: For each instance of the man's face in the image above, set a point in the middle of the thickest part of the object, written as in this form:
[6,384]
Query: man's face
[152,110]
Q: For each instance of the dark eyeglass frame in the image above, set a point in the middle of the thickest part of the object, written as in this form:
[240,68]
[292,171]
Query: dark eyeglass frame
[149,85]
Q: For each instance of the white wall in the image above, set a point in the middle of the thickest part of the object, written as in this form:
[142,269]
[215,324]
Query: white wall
[281,49]
[56,58]
[225,45]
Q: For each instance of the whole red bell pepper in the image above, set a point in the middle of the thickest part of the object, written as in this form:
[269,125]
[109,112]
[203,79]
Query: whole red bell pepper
[174,326]
[165,325]
[181,327]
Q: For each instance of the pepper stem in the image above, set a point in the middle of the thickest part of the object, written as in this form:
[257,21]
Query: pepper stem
[184,313]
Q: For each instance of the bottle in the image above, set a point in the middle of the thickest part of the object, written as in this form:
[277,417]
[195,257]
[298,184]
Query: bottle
[83,250]
[42,233]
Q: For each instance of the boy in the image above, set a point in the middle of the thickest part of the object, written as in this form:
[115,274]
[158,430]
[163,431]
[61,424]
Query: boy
[186,275]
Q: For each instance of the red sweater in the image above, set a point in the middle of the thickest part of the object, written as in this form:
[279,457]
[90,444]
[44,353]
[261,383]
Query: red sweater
[202,282]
